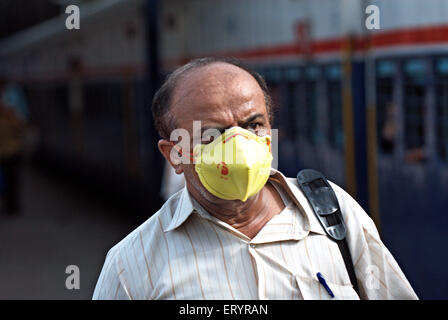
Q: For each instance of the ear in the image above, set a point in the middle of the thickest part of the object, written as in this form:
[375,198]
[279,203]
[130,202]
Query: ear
[165,148]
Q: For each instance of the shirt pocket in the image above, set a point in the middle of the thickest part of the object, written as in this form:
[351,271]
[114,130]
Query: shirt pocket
[312,289]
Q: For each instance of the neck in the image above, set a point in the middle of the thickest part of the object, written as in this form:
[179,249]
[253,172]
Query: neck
[247,217]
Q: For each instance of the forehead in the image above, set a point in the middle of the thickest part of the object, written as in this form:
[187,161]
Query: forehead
[218,93]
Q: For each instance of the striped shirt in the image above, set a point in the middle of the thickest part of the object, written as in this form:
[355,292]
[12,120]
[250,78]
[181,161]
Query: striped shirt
[183,252]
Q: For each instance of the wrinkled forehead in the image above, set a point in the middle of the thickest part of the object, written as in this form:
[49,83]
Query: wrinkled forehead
[214,79]
[216,91]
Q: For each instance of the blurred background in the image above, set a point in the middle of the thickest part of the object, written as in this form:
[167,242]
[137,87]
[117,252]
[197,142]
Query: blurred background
[79,164]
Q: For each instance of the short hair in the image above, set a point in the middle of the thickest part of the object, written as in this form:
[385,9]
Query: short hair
[161,103]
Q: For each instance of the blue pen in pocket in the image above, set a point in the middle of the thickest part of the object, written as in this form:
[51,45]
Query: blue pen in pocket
[322,281]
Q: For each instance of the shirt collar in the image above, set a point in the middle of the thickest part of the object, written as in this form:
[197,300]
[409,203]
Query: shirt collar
[291,187]
[186,206]
[183,210]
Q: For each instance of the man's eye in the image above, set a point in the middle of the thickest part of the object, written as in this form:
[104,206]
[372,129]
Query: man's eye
[255,125]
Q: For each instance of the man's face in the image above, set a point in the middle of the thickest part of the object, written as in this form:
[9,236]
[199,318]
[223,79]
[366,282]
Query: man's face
[220,96]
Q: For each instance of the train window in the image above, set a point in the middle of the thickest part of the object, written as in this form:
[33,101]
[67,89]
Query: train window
[103,125]
[292,76]
[310,99]
[60,101]
[386,108]
[103,100]
[334,102]
[57,117]
[273,78]
[442,107]
[414,108]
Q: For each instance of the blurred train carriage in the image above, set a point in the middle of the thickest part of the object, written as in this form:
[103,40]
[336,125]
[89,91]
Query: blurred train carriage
[368,108]
[87,91]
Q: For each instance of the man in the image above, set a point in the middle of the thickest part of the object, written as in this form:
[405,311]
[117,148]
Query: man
[235,231]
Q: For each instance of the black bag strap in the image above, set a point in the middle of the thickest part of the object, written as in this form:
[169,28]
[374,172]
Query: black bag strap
[343,247]
[325,205]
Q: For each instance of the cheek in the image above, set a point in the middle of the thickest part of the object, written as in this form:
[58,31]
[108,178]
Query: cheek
[266,130]
[269,131]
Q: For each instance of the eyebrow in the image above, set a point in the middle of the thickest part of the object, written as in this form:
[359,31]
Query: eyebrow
[241,124]
[250,119]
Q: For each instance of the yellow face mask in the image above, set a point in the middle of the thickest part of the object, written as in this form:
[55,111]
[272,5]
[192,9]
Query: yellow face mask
[234,166]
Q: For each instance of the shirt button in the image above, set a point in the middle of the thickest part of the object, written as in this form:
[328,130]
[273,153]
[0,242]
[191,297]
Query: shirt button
[252,246]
